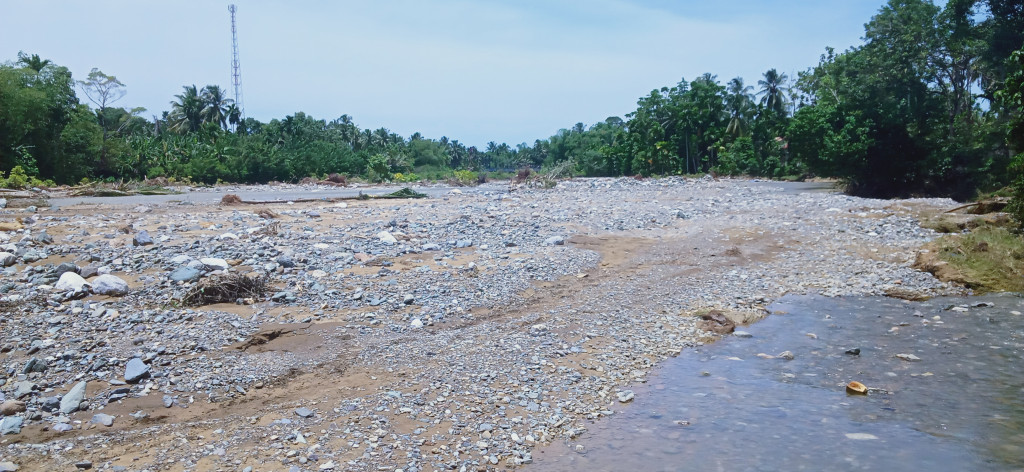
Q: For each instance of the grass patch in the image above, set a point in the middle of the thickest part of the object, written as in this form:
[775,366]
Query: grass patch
[988,259]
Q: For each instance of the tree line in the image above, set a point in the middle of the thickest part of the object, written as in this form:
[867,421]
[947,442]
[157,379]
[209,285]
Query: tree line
[927,105]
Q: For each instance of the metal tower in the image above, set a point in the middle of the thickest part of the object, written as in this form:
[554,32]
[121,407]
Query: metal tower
[236,73]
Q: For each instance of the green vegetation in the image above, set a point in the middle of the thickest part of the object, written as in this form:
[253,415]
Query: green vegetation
[988,259]
[929,104]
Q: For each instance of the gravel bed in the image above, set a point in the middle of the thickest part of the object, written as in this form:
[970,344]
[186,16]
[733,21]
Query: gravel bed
[457,332]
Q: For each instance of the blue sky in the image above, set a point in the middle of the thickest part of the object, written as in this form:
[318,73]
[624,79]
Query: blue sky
[505,70]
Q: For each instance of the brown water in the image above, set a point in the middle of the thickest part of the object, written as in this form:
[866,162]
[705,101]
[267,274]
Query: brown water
[960,407]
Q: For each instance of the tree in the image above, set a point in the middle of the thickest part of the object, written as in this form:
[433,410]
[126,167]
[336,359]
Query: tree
[33,62]
[773,91]
[739,103]
[187,112]
[215,106]
[102,90]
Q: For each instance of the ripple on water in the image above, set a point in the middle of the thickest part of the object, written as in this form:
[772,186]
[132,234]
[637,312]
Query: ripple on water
[723,407]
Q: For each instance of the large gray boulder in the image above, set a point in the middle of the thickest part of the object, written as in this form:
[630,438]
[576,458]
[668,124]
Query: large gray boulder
[107,284]
[70,402]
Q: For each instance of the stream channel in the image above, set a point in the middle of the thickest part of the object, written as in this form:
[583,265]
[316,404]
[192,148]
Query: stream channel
[946,379]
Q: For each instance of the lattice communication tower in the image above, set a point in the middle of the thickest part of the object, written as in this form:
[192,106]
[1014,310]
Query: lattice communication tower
[236,73]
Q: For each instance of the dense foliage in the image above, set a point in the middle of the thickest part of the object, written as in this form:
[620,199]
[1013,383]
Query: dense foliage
[930,103]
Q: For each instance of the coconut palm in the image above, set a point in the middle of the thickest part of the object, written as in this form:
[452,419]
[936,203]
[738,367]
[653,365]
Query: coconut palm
[187,111]
[739,103]
[774,88]
[215,106]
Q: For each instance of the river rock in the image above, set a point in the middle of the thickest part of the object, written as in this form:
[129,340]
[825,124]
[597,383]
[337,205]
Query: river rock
[135,370]
[23,388]
[185,274]
[71,282]
[7,259]
[107,284]
[8,466]
[625,396]
[304,412]
[142,238]
[11,407]
[35,364]
[386,237]
[554,241]
[214,263]
[103,419]
[11,425]
[70,402]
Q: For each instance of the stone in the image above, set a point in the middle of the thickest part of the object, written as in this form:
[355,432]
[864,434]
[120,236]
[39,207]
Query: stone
[742,334]
[304,412]
[625,396]
[35,364]
[416,323]
[430,247]
[42,238]
[83,465]
[11,407]
[554,241]
[214,263]
[11,425]
[23,389]
[70,402]
[3,203]
[409,299]
[142,238]
[62,427]
[853,352]
[861,436]
[787,355]
[7,259]
[8,466]
[107,284]
[71,282]
[386,237]
[102,419]
[285,261]
[185,274]
[908,357]
[463,243]
[135,370]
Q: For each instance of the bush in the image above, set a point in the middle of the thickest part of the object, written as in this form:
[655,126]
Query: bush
[464,178]
[405,178]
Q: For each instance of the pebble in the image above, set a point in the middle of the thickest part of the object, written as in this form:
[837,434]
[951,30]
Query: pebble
[304,412]
[135,370]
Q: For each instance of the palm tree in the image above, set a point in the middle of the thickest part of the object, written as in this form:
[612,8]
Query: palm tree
[738,102]
[187,112]
[234,115]
[215,106]
[33,62]
[774,89]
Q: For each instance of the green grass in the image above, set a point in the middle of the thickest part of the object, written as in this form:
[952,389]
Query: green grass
[988,259]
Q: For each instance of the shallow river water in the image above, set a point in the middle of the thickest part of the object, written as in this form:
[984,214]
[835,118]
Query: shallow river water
[946,379]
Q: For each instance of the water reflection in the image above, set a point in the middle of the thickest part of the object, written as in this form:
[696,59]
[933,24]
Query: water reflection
[947,394]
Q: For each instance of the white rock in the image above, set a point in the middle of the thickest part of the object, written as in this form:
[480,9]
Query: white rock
[7,259]
[71,282]
[416,323]
[861,436]
[227,236]
[214,263]
[107,284]
[386,238]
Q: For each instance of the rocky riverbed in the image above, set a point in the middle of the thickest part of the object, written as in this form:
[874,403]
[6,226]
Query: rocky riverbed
[457,332]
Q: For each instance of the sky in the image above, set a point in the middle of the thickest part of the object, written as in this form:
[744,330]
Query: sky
[498,70]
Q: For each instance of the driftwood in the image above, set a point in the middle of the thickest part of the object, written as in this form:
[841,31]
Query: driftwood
[232,199]
[984,206]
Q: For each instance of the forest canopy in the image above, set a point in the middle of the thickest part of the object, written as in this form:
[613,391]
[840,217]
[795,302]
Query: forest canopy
[928,104]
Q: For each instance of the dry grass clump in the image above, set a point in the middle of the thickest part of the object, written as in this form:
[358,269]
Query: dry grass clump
[227,288]
[230,199]
[988,259]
